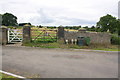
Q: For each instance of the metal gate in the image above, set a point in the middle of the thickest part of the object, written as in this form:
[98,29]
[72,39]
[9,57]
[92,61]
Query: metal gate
[44,35]
[15,35]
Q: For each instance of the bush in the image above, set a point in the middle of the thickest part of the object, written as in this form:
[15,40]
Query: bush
[115,39]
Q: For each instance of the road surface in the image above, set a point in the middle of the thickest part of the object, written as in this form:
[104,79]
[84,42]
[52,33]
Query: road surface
[59,63]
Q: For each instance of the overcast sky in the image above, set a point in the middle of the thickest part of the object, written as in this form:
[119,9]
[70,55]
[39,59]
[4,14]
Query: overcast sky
[59,12]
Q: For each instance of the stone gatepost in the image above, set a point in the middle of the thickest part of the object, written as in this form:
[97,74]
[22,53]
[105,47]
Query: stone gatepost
[4,36]
[60,32]
[26,34]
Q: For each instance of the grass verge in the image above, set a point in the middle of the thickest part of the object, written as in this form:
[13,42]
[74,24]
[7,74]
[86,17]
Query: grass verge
[7,77]
[71,46]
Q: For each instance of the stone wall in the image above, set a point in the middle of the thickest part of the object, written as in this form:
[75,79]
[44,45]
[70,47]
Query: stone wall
[95,37]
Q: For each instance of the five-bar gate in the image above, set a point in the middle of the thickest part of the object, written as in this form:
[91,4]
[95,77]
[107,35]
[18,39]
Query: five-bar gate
[43,35]
[15,35]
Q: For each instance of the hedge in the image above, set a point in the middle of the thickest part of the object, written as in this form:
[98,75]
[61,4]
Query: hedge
[115,39]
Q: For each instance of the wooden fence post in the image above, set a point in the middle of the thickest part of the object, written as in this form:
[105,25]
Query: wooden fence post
[26,34]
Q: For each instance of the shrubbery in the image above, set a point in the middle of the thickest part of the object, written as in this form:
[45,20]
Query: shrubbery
[115,39]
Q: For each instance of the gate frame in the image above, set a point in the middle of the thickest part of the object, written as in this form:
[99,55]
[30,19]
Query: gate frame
[15,36]
[45,33]
[27,34]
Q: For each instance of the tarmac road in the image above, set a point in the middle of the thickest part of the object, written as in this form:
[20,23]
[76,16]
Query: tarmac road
[59,63]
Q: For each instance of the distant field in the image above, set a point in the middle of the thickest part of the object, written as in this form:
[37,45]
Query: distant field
[43,34]
[71,30]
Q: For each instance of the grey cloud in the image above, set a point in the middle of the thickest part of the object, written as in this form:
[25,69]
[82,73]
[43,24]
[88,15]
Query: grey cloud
[59,9]
[42,18]
[45,19]
[119,10]
[76,21]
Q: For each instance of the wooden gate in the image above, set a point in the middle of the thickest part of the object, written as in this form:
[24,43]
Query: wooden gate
[15,35]
[43,35]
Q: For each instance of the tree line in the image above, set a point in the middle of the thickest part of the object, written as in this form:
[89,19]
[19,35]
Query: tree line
[106,23]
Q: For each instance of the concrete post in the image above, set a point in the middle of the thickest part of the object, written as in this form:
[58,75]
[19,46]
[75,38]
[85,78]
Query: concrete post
[26,34]
[60,32]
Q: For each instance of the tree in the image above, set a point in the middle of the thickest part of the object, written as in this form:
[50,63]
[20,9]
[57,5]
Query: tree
[86,27]
[0,19]
[93,28]
[23,24]
[75,27]
[40,26]
[118,26]
[79,26]
[107,22]
[9,20]
[98,29]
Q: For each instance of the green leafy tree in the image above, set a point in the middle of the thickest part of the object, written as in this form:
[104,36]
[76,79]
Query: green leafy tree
[98,29]
[9,20]
[108,22]
[76,27]
[0,19]
[86,27]
[118,26]
[92,28]
[79,26]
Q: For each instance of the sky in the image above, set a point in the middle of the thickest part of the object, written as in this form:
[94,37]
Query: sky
[60,12]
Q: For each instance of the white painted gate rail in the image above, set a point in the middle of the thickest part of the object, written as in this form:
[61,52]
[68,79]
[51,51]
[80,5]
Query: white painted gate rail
[15,35]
